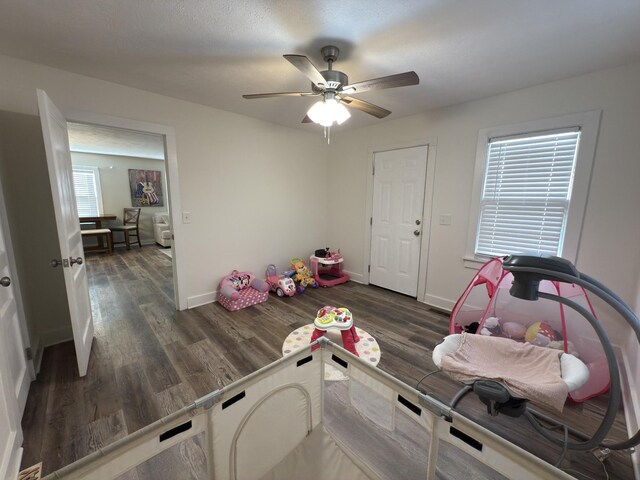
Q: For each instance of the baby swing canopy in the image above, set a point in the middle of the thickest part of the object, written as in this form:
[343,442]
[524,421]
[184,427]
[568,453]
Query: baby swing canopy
[486,307]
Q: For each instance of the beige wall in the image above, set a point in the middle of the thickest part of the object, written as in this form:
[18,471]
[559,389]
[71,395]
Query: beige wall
[609,244]
[27,195]
[256,191]
[114,183]
[259,193]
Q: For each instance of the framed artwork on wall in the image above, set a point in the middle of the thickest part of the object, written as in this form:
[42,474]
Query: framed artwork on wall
[146,188]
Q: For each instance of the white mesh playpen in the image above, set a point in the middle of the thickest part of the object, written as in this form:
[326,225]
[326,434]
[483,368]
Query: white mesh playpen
[286,422]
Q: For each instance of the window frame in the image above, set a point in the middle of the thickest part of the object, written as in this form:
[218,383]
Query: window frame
[589,124]
[98,191]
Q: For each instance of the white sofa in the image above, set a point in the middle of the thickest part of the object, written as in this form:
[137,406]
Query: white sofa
[162,229]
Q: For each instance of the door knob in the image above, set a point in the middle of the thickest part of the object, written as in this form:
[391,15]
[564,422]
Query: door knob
[418,222]
[75,260]
[5,281]
[416,233]
[55,263]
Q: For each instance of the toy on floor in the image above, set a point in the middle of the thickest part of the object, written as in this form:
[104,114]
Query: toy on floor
[303,275]
[241,290]
[341,319]
[327,269]
[281,284]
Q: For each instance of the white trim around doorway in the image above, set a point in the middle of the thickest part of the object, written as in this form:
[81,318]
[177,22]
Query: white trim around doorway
[175,208]
[430,143]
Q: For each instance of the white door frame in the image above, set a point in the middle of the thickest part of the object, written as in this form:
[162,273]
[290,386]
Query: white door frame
[430,143]
[175,208]
[12,403]
[15,284]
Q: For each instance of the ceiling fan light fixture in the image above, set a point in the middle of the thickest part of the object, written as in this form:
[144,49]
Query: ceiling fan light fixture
[325,112]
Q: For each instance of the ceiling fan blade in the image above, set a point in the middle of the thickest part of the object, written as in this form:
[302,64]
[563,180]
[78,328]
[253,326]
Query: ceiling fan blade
[306,119]
[391,81]
[282,94]
[303,64]
[366,107]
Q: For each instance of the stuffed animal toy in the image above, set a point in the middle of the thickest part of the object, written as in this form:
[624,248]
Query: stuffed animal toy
[514,330]
[540,334]
[491,327]
[303,275]
[232,285]
[471,328]
[242,289]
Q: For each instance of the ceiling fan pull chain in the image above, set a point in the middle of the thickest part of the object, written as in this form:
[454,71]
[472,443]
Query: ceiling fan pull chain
[327,134]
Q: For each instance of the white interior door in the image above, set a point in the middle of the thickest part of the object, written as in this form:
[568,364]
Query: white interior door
[56,142]
[14,374]
[396,226]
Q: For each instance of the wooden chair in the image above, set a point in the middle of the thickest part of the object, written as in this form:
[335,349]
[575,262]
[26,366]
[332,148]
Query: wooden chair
[131,218]
[99,233]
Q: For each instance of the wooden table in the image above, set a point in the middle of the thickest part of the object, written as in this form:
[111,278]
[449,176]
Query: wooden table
[98,219]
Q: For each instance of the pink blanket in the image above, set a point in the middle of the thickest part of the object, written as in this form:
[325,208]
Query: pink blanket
[527,370]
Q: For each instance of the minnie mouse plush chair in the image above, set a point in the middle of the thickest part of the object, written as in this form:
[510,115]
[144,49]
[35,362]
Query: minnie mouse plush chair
[241,290]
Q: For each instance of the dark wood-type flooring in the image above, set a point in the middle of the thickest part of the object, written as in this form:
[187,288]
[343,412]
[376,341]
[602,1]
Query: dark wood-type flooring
[149,360]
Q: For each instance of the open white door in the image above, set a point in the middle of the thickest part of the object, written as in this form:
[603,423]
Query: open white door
[396,225]
[56,143]
[14,374]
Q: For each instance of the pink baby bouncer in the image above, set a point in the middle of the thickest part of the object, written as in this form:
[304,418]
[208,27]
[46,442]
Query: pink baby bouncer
[487,301]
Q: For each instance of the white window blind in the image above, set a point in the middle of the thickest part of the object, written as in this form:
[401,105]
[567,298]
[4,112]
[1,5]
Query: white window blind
[526,193]
[87,189]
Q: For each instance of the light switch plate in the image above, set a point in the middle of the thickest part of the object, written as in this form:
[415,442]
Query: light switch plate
[445,219]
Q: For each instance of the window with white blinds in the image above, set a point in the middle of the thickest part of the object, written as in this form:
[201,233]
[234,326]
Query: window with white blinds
[526,193]
[530,187]
[86,183]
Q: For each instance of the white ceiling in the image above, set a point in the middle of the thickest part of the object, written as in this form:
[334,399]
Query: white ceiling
[212,52]
[114,141]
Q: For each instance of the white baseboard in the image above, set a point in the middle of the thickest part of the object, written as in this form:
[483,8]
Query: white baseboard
[37,359]
[438,302]
[202,299]
[55,336]
[356,277]
[38,349]
[631,396]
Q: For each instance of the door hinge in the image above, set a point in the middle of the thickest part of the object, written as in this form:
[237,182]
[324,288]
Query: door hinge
[28,353]
[369,268]
[370,220]
[374,169]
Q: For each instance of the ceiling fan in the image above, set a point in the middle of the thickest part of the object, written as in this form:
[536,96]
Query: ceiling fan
[336,91]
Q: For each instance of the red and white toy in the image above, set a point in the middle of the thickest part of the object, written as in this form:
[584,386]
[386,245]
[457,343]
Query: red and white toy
[338,318]
[281,284]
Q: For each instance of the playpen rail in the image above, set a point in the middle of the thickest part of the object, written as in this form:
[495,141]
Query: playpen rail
[197,418]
